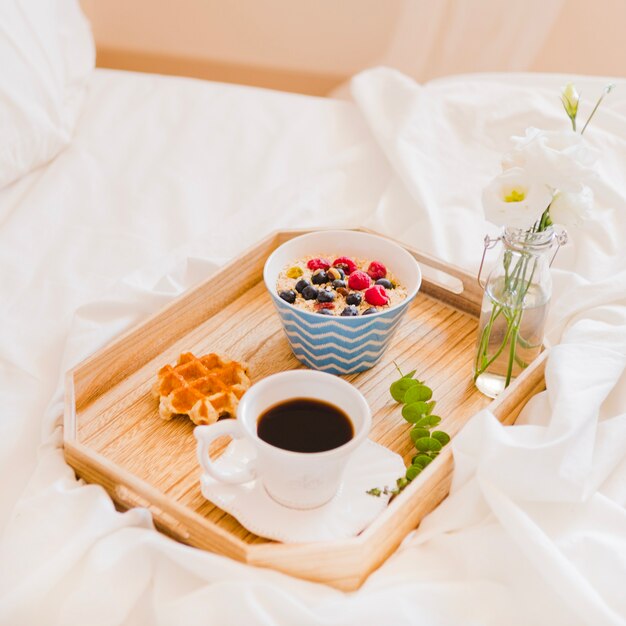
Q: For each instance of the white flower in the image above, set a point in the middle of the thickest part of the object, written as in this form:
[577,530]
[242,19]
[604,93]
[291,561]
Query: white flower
[559,159]
[514,199]
[570,209]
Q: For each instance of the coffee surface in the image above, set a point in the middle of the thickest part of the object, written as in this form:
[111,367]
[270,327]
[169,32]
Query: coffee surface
[305,425]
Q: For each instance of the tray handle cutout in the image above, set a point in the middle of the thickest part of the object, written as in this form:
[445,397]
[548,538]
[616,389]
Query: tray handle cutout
[442,279]
[448,283]
[164,521]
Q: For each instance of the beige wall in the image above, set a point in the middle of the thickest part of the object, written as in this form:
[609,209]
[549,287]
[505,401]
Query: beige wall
[309,35]
[589,38]
[313,45]
[298,45]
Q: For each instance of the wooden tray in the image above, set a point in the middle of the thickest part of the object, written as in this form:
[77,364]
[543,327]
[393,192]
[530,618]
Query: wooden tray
[114,436]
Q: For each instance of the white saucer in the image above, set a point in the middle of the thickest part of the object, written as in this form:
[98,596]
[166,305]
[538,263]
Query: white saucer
[346,515]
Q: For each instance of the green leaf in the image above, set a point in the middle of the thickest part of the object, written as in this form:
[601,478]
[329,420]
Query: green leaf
[422,460]
[431,406]
[441,437]
[414,412]
[427,444]
[418,433]
[412,471]
[400,387]
[418,393]
[428,421]
[402,482]
[375,491]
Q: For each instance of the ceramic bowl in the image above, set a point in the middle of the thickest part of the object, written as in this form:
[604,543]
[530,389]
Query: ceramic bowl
[342,345]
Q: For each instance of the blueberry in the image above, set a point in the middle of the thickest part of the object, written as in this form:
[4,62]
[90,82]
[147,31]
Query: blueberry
[301,284]
[325,312]
[339,284]
[354,298]
[288,296]
[349,311]
[369,311]
[387,284]
[325,295]
[309,293]
[319,277]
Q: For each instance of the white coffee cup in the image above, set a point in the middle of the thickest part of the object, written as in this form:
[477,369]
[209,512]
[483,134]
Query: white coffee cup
[299,480]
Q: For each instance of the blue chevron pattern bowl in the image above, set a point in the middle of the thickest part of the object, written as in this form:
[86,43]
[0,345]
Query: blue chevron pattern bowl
[342,345]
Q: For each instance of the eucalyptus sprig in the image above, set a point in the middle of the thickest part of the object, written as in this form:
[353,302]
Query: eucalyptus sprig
[417,411]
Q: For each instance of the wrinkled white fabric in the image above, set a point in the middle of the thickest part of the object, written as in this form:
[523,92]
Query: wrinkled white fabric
[168,178]
[47,55]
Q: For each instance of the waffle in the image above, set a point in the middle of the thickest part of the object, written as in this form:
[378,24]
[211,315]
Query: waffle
[204,388]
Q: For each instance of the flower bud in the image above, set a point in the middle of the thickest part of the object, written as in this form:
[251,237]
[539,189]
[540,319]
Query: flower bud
[570,99]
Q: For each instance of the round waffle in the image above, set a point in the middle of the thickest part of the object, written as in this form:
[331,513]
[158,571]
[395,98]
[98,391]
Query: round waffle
[204,388]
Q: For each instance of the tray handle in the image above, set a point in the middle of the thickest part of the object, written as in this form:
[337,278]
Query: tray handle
[162,520]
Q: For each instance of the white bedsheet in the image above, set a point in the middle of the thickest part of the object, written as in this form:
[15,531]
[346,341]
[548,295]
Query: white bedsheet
[168,178]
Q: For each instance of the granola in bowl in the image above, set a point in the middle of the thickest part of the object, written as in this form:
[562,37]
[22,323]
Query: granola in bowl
[339,286]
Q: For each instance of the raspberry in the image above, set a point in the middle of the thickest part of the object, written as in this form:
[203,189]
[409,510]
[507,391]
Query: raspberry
[377,270]
[318,264]
[359,280]
[324,305]
[346,264]
[376,295]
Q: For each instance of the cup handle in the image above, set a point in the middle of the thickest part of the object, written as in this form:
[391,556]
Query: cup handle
[205,435]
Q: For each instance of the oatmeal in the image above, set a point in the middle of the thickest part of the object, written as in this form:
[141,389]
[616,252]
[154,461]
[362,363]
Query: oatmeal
[344,286]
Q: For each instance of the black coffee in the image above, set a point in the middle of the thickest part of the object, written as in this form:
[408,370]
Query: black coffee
[305,425]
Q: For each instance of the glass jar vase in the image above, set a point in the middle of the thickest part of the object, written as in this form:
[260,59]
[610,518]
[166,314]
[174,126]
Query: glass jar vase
[514,307]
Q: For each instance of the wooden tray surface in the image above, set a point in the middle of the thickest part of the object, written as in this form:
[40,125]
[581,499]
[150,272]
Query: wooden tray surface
[114,436]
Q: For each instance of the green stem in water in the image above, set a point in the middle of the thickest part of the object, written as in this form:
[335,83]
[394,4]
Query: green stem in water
[511,287]
[515,283]
[522,364]
[481,352]
[482,359]
[509,371]
[498,352]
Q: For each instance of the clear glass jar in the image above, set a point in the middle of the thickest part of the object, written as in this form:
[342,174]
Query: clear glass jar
[514,308]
